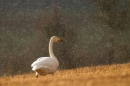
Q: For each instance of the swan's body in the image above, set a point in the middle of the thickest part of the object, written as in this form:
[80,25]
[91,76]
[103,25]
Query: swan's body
[47,65]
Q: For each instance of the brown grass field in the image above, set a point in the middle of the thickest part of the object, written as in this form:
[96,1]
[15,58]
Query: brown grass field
[110,75]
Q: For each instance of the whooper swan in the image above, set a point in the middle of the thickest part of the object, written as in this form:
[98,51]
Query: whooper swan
[47,65]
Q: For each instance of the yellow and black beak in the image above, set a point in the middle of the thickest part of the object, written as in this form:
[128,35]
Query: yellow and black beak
[60,40]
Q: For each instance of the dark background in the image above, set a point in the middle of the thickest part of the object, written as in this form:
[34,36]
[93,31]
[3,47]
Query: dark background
[96,32]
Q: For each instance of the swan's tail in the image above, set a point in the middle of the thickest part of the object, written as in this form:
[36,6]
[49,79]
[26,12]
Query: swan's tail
[36,67]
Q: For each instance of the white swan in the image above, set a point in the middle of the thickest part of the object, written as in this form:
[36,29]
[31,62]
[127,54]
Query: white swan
[47,65]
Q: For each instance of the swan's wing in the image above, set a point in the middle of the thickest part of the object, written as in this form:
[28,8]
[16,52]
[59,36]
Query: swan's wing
[39,58]
[45,62]
[38,61]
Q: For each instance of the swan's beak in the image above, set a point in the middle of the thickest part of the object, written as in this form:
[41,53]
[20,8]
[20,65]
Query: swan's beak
[60,40]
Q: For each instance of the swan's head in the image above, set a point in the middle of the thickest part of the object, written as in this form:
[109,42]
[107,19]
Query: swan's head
[56,39]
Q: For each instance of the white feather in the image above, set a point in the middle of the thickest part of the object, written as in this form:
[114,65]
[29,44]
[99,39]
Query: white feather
[45,61]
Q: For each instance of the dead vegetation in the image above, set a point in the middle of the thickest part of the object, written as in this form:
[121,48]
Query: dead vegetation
[110,75]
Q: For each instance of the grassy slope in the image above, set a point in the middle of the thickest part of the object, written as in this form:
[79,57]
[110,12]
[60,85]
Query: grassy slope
[114,75]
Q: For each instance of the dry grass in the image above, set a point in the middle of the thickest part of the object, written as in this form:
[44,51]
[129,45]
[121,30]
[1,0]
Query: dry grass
[114,75]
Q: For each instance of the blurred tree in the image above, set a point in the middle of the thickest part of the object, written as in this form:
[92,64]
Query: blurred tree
[115,16]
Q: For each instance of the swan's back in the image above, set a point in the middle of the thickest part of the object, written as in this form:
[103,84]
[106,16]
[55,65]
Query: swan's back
[45,65]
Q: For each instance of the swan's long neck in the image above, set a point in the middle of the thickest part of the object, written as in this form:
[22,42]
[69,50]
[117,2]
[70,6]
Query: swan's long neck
[51,49]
